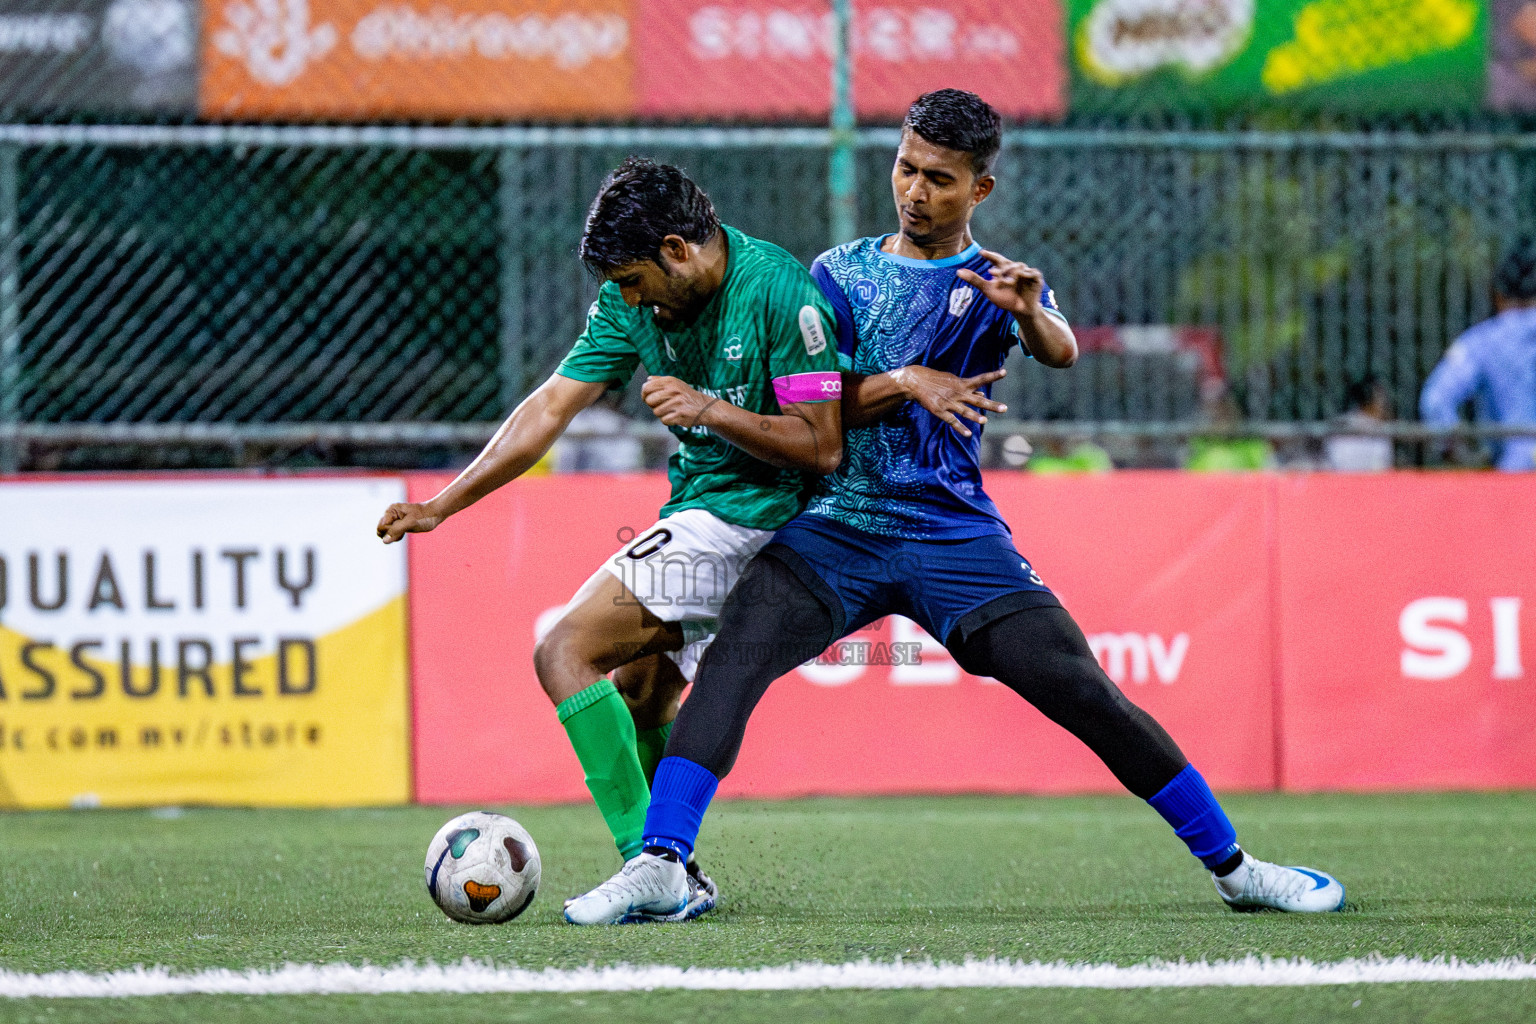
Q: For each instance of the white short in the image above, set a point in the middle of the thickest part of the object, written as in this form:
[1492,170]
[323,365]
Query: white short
[682,568]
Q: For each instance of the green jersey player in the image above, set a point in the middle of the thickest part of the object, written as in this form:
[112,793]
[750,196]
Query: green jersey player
[735,337]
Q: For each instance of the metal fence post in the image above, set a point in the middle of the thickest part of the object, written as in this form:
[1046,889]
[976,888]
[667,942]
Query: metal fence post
[510,228]
[842,173]
[10,308]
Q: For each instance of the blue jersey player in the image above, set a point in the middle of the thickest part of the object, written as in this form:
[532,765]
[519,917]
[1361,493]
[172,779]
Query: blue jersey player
[925,318]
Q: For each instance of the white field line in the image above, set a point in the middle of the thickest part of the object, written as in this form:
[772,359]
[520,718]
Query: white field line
[472,977]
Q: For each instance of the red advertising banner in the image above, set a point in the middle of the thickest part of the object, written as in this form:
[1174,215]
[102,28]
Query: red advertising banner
[773,58]
[1167,573]
[484,730]
[1402,627]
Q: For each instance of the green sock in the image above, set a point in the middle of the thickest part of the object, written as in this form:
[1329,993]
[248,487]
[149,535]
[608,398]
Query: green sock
[603,735]
[650,744]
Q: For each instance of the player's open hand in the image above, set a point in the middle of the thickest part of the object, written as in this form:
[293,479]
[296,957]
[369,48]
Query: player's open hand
[949,397]
[675,403]
[406,517]
[1014,287]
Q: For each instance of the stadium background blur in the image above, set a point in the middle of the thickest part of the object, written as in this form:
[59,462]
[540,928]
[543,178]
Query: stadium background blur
[298,233]
[338,237]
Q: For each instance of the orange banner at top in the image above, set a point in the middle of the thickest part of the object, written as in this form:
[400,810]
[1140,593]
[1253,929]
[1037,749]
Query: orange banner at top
[418,59]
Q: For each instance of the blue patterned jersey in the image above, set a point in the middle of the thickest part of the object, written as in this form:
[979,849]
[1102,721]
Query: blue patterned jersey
[911,475]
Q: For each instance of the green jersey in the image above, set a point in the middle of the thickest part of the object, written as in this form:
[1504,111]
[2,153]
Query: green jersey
[761,342]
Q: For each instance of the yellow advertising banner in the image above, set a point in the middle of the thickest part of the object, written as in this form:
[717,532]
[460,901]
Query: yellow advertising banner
[209,642]
[365,59]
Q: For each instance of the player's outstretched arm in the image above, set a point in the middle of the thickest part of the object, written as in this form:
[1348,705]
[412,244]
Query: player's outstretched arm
[520,442]
[807,436]
[1017,288]
[867,400]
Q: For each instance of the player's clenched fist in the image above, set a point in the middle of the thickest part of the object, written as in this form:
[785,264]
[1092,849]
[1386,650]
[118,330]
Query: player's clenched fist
[675,403]
[1015,287]
[406,517]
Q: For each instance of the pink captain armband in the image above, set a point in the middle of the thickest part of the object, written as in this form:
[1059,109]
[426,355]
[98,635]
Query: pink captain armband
[821,386]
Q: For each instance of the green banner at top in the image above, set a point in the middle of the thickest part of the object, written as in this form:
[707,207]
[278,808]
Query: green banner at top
[1348,55]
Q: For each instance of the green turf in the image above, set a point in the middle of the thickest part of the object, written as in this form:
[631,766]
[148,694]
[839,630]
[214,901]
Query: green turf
[832,880]
[1358,1004]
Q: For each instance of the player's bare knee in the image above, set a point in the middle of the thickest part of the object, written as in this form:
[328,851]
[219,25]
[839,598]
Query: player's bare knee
[545,656]
[560,664]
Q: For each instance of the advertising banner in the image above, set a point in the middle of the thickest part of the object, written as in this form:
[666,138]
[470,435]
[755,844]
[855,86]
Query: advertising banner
[1404,627]
[773,58]
[215,642]
[365,59]
[99,56]
[1167,574]
[1357,55]
[480,584]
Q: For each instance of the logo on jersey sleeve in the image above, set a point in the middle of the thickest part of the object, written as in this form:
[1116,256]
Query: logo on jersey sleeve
[960,300]
[811,331]
[732,349]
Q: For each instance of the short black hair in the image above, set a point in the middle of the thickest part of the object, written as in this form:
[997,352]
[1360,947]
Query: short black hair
[640,203]
[958,120]
[1516,276]
[1362,392]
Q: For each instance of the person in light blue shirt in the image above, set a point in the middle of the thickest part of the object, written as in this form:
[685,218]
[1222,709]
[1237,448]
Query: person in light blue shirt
[1494,364]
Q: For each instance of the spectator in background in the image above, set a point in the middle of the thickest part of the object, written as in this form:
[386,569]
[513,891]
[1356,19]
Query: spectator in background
[1352,450]
[1061,456]
[1494,363]
[1224,453]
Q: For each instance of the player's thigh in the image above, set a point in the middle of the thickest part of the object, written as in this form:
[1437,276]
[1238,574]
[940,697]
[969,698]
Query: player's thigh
[605,626]
[1041,654]
[656,594]
[652,686]
[685,565]
[957,589]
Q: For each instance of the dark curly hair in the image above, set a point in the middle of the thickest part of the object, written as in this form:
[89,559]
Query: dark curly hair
[640,203]
[1516,276]
[961,121]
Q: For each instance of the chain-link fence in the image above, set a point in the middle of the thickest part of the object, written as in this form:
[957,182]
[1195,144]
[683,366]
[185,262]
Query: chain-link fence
[167,294]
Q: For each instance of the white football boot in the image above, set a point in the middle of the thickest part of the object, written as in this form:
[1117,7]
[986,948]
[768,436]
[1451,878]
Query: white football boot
[1260,885]
[647,888]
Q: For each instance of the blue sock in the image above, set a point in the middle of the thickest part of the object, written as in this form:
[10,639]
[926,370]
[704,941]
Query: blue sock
[1188,805]
[679,797]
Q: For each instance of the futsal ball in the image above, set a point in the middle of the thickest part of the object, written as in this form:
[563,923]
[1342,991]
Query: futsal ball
[482,868]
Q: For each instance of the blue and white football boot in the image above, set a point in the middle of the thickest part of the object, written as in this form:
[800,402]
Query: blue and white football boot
[603,902]
[1259,885]
[647,888]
